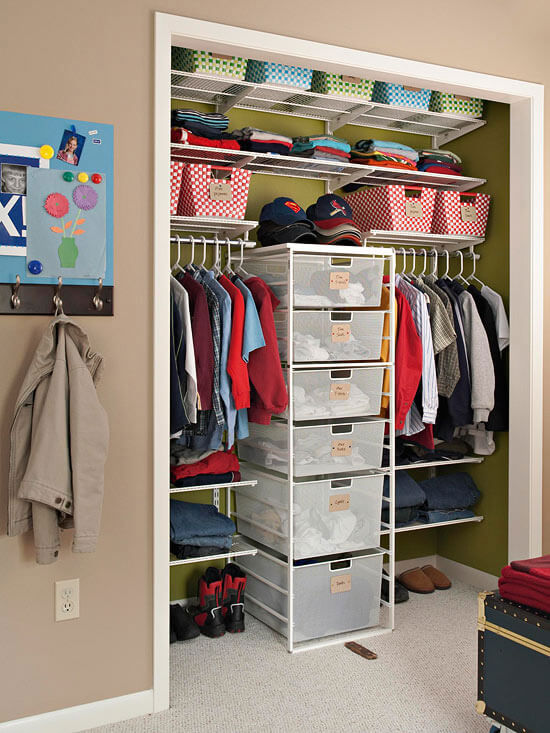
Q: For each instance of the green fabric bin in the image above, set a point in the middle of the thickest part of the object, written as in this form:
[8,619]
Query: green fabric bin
[341,84]
[205,62]
[456,104]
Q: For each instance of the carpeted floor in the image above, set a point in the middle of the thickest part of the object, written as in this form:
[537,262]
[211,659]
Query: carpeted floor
[424,680]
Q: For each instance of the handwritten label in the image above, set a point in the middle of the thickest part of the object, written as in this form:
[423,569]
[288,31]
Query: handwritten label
[463,98]
[222,56]
[411,89]
[339,391]
[413,207]
[221,191]
[341,448]
[339,280]
[341,332]
[351,79]
[340,583]
[339,502]
[468,213]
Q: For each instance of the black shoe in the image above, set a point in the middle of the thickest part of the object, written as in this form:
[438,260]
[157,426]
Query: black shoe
[234,583]
[181,624]
[401,594]
[209,615]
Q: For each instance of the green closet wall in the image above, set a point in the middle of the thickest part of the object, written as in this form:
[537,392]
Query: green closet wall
[485,155]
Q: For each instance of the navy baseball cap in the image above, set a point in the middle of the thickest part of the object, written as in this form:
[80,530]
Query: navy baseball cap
[330,211]
[284,211]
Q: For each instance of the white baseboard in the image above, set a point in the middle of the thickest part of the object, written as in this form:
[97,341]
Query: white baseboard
[477,578]
[84,717]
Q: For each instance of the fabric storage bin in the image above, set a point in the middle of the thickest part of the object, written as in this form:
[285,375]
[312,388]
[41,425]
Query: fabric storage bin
[337,282]
[318,449]
[329,598]
[393,208]
[206,62]
[341,84]
[456,104]
[337,393]
[267,72]
[330,517]
[202,194]
[461,213]
[176,172]
[401,95]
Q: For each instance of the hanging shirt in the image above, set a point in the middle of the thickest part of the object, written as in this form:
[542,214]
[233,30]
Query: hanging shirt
[181,302]
[236,367]
[499,312]
[447,366]
[178,417]
[202,340]
[215,325]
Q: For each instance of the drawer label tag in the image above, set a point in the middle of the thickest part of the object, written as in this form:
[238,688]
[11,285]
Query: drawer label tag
[341,332]
[341,447]
[339,502]
[340,583]
[339,391]
[221,191]
[468,213]
[339,280]
[413,207]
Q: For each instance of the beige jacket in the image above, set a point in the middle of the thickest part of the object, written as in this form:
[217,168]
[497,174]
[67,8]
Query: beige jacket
[59,440]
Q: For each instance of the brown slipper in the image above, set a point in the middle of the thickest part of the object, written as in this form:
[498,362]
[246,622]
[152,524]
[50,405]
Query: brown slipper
[439,579]
[416,581]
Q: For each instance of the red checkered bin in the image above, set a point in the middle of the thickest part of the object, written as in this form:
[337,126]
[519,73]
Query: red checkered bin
[461,213]
[205,194]
[393,208]
[176,170]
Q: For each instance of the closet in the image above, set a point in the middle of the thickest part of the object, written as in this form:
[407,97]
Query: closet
[282,578]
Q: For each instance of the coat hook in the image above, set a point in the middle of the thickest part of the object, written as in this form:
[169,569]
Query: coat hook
[15,299]
[96,300]
[57,296]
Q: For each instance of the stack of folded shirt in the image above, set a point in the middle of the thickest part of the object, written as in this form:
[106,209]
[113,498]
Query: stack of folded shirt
[408,452]
[448,497]
[527,582]
[186,137]
[322,147]
[333,221]
[409,497]
[209,125]
[215,467]
[440,161]
[384,153]
[260,141]
[198,529]
[283,221]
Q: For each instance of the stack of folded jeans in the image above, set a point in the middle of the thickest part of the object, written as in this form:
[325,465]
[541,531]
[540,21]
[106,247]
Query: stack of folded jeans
[409,497]
[197,530]
[440,161]
[527,582]
[201,128]
[190,468]
[262,141]
[385,154]
[449,497]
[322,147]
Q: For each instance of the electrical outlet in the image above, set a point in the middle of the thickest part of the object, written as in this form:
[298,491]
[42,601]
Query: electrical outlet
[67,599]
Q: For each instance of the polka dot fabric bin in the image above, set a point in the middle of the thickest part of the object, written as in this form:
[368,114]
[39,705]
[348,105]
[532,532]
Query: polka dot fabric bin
[342,85]
[176,171]
[461,213]
[266,72]
[195,198]
[456,104]
[388,208]
[401,95]
[187,59]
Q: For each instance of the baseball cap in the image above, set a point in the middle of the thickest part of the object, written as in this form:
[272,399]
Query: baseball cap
[284,211]
[330,211]
[270,233]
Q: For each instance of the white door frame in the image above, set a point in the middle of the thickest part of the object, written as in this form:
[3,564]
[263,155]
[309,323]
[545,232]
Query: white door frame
[526,264]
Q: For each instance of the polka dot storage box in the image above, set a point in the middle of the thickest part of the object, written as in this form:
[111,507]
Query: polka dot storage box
[393,208]
[267,72]
[209,190]
[461,213]
[187,59]
[456,104]
[342,85]
[401,95]
[176,172]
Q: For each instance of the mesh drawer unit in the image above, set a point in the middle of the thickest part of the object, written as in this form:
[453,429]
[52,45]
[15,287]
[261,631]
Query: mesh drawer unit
[330,517]
[318,449]
[329,597]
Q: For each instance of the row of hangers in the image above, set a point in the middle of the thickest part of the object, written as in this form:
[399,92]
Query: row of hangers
[216,267]
[409,274]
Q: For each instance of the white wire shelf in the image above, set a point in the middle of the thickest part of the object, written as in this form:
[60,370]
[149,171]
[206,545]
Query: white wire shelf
[430,525]
[336,110]
[212,225]
[448,242]
[209,487]
[433,464]
[238,549]
[335,172]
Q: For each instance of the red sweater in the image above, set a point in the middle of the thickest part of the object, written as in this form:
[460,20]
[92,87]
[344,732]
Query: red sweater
[269,394]
[236,366]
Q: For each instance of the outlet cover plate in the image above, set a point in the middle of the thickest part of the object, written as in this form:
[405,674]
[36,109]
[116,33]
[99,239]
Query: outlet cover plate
[67,599]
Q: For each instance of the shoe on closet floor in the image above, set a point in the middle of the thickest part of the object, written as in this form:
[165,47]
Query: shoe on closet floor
[416,581]
[439,579]
[182,626]
[209,615]
[400,595]
[234,583]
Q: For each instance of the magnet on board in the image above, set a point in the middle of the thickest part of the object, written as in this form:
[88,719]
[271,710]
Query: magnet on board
[96,178]
[68,176]
[46,152]
[35,267]
[83,177]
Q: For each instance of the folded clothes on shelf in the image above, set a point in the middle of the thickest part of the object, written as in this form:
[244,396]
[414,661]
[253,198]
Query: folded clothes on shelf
[431,516]
[408,492]
[439,161]
[263,141]
[384,153]
[186,137]
[207,125]
[184,552]
[403,515]
[216,462]
[451,491]
[204,479]
[325,147]
[199,524]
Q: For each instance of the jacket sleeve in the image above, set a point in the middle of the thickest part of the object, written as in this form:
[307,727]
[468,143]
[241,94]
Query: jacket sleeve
[89,433]
[482,372]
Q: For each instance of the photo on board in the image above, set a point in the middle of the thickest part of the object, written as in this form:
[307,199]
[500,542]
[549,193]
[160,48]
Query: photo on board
[13,178]
[70,148]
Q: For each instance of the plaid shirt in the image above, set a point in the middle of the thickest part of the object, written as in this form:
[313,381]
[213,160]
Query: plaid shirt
[215,323]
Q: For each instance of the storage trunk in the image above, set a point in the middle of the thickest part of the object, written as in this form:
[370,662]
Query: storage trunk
[513,664]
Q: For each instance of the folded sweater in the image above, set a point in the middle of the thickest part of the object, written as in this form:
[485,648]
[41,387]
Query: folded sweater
[453,491]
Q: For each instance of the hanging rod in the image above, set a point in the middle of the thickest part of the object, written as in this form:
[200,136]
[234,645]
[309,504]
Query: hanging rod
[221,241]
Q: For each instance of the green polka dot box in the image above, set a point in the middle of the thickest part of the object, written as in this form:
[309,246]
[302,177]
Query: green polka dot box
[456,104]
[205,62]
[342,85]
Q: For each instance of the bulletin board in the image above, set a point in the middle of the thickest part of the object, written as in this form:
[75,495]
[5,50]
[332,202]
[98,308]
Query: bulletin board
[56,200]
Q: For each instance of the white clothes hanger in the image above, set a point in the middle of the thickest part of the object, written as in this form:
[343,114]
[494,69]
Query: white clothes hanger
[190,265]
[216,265]
[176,266]
[227,269]
[203,240]
[410,274]
[460,277]
[472,276]
[240,269]
[424,252]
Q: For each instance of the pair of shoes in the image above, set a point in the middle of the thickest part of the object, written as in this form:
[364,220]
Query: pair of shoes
[424,580]
[182,625]
[221,601]
[400,594]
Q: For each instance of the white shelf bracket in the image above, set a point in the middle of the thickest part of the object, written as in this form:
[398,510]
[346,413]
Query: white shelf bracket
[225,105]
[347,118]
[446,137]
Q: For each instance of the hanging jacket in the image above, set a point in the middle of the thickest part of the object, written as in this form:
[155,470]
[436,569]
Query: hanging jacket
[59,438]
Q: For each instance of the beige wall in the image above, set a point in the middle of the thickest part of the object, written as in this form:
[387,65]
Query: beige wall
[95,61]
